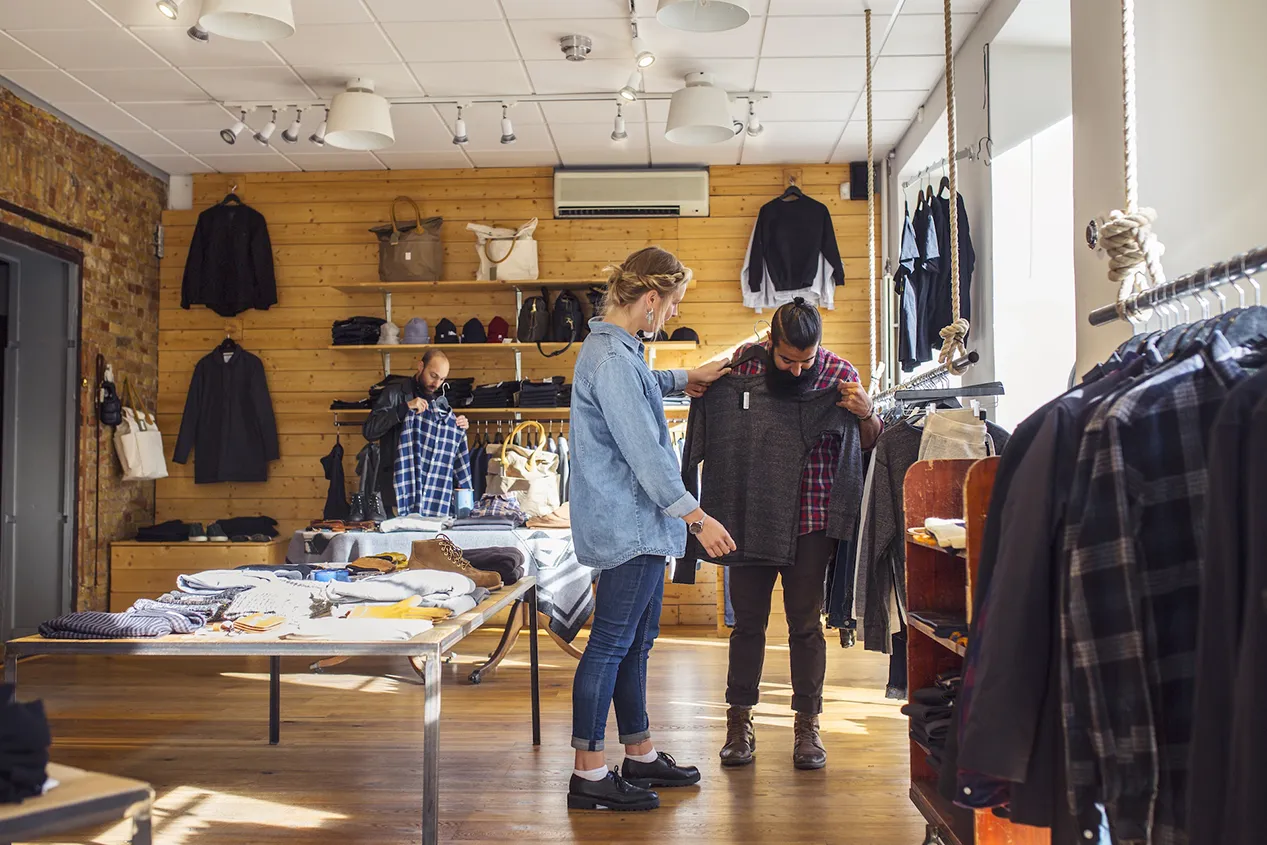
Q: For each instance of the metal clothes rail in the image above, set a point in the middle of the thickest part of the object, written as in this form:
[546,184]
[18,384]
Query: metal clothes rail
[924,379]
[1244,266]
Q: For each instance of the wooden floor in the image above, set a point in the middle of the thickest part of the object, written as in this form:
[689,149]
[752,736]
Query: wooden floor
[348,768]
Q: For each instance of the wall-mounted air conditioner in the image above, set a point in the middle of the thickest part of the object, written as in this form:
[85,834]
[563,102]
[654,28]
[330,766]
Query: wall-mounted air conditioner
[631,193]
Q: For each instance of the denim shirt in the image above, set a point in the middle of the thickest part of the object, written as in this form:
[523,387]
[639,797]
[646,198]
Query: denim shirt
[628,498]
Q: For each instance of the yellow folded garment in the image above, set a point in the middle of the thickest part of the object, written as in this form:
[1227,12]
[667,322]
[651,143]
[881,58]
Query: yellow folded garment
[406,609]
[258,623]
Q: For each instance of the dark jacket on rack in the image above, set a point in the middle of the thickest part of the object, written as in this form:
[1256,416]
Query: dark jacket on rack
[230,263]
[939,294]
[790,237]
[228,420]
[391,406]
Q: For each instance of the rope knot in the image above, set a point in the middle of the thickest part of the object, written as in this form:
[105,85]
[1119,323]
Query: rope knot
[953,346]
[1134,253]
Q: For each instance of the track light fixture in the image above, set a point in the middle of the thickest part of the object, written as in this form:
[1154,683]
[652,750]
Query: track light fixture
[291,135]
[508,131]
[319,137]
[269,128]
[642,53]
[459,129]
[754,124]
[630,91]
[618,126]
[198,34]
[169,8]
[230,135]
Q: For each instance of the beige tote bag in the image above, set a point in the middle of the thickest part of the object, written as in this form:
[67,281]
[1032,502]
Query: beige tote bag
[506,254]
[412,252]
[530,475]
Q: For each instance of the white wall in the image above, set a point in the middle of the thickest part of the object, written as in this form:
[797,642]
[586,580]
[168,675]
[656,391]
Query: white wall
[1031,89]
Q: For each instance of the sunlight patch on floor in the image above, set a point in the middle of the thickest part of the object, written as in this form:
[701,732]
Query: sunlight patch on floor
[350,683]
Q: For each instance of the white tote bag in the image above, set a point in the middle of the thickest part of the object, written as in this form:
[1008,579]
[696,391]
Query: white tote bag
[506,254]
[138,441]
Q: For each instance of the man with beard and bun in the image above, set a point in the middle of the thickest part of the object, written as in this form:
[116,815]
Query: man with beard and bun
[800,364]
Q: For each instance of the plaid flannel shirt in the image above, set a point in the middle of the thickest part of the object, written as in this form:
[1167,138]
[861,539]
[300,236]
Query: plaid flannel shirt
[431,461]
[820,466]
[1130,615]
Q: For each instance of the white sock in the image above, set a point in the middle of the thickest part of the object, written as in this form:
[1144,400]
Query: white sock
[594,775]
[649,757]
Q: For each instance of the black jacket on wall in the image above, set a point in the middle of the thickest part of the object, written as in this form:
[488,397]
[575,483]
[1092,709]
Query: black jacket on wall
[789,238]
[228,420]
[230,264]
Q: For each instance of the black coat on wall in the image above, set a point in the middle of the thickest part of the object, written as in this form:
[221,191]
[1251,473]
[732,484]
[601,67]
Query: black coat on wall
[228,420]
[230,264]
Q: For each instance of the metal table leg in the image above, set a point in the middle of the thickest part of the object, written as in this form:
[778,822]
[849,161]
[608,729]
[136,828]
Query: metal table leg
[431,748]
[535,679]
[141,825]
[274,700]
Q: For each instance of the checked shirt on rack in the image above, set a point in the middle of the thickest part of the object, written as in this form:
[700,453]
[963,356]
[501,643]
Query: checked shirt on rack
[432,461]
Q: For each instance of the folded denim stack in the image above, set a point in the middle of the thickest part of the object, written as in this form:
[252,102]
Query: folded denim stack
[931,711]
[350,405]
[550,394]
[356,331]
[24,744]
[495,395]
[459,391]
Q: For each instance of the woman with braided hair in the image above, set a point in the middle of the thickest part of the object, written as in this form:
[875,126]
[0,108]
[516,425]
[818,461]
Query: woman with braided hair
[630,513]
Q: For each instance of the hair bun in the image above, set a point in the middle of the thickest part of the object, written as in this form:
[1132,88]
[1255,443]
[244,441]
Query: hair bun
[800,300]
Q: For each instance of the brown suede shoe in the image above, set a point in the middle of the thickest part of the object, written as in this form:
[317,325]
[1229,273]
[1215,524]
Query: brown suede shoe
[808,751]
[442,555]
[741,739]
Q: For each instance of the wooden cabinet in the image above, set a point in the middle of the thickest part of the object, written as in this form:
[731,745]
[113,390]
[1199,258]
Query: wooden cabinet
[147,570]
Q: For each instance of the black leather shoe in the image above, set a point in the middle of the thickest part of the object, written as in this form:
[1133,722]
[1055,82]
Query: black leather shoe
[611,793]
[663,772]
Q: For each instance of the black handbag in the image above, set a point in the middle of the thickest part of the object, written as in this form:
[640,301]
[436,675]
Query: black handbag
[534,320]
[567,319]
[110,411]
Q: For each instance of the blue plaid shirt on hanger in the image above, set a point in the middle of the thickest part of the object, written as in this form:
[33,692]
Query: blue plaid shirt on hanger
[432,461]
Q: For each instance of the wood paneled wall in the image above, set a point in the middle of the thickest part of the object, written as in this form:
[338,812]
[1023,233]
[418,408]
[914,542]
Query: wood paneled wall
[318,224]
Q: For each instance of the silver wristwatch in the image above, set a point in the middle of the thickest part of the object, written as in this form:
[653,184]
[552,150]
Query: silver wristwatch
[696,528]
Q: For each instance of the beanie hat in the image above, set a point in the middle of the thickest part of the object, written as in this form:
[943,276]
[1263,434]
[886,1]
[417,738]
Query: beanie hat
[685,334]
[473,332]
[388,334]
[498,330]
[417,332]
[447,332]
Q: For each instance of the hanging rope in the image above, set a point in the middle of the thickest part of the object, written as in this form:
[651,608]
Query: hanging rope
[1127,236]
[953,335]
[871,323]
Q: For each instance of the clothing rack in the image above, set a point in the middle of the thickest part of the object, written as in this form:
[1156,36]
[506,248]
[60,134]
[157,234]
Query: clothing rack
[968,153]
[924,379]
[1244,266]
[970,391]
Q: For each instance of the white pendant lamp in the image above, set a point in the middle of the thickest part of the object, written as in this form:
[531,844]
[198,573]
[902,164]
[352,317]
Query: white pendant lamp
[699,114]
[359,119]
[703,15]
[248,20]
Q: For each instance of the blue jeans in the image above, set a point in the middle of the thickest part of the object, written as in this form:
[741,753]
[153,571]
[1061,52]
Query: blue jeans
[613,669]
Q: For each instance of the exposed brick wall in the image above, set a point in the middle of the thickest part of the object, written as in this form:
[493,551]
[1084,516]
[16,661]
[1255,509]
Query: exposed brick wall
[48,167]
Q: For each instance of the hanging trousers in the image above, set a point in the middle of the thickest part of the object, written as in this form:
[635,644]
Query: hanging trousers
[751,589]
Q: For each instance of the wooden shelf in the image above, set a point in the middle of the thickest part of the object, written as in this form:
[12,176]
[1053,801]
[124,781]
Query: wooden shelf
[464,286]
[927,630]
[952,821]
[387,349]
[506,413]
[929,543]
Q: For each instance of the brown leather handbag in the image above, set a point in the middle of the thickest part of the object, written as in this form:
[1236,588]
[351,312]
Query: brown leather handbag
[411,252]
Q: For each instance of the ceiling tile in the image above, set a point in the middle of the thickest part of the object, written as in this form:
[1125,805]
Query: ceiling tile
[14,56]
[935,7]
[452,41]
[879,8]
[447,79]
[102,117]
[885,133]
[908,73]
[89,49]
[145,13]
[337,160]
[420,129]
[251,83]
[892,105]
[181,50]
[390,80]
[163,116]
[491,114]
[451,158]
[514,158]
[178,165]
[838,74]
[50,14]
[129,86]
[539,39]
[249,163]
[559,76]
[534,9]
[795,153]
[485,134]
[741,43]
[395,11]
[756,8]
[669,73]
[594,112]
[317,12]
[201,142]
[361,43]
[55,87]
[630,153]
[143,143]
[839,35]
[591,136]
[798,132]
[825,105]
[925,35]
[664,151]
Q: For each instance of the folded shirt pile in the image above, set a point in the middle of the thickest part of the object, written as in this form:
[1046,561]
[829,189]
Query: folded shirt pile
[210,608]
[292,600]
[358,630]
[215,581]
[350,405]
[134,624]
[24,744]
[435,588]
[949,533]
[931,711]
[506,561]
[500,395]
[459,391]
[171,531]
[549,394]
[356,331]
[414,522]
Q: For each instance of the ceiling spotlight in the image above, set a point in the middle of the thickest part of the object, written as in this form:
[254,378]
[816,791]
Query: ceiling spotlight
[267,132]
[754,124]
[699,114]
[703,15]
[291,135]
[508,131]
[459,129]
[618,127]
[642,53]
[230,135]
[169,8]
[319,137]
[360,119]
[198,34]
[630,91]
[576,47]
[248,20]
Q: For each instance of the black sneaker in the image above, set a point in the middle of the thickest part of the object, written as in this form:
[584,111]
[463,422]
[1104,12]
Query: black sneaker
[216,534]
[196,534]
[611,793]
[663,772]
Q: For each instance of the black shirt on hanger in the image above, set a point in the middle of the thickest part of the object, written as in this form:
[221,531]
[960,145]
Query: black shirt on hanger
[939,309]
[230,263]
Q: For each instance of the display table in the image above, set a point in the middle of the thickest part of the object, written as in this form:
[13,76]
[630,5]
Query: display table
[81,800]
[427,646]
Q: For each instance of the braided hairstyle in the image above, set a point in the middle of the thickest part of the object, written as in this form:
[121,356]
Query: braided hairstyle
[798,324]
[648,269]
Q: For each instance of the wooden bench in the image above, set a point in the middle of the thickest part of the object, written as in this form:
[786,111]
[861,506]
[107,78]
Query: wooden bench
[81,800]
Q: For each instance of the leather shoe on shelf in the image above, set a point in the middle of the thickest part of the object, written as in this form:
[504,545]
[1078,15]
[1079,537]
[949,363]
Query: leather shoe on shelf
[664,771]
[440,554]
[358,508]
[611,793]
[741,738]
[808,752]
[374,510]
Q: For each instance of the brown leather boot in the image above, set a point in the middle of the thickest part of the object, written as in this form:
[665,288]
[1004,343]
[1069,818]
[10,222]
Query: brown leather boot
[808,751]
[442,555]
[741,739]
